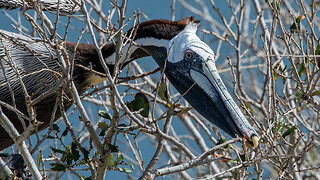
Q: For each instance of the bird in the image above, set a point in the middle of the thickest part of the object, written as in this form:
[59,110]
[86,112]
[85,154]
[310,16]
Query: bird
[187,61]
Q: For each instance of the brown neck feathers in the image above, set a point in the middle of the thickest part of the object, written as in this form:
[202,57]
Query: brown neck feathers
[158,29]
[161,29]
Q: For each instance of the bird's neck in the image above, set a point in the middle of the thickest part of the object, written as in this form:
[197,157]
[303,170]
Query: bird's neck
[87,57]
[156,33]
[150,38]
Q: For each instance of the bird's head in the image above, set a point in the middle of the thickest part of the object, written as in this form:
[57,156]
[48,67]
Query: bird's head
[190,66]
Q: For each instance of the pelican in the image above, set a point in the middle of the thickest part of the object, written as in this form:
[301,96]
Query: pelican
[188,62]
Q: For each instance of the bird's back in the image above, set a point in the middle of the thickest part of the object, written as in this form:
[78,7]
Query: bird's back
[29,60]
[30,63]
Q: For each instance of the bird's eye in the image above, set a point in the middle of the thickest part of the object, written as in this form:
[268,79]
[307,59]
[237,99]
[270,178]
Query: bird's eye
[188,54]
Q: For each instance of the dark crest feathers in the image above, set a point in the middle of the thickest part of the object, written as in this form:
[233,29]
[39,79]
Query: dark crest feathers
[161,29]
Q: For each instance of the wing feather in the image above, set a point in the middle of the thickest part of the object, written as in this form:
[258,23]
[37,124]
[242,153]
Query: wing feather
[29,59]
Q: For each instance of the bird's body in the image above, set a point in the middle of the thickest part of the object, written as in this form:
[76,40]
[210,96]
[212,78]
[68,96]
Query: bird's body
[37,66]
[36,63]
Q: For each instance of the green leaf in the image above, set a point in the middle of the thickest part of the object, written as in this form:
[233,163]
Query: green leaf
[57,150]
[132,166]
[58,167]
[119,159]
[277,6]
[140,102]
[317,52]
[295,27]
[122,125]
[110,160]
[288,132]
[75,152]
[85,154]
[233,160]
[55,127]
[163,92]
[315,93]
[65,132]
[87,178]
[278,128]
[275,75]
[103,126]
[48,137]
[64,157]
[284,69]
[281,124]
[126,170]
[264,140]
[301,69]
[272,120]
[120,169]
[113,148]
[69,158]
[298,95]
[221,141]
[39,159]
[243,157]
[102,133]
[183,110]
[249,108]
[104,114]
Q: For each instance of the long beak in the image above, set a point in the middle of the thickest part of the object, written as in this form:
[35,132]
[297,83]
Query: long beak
[227,114]
[201,85]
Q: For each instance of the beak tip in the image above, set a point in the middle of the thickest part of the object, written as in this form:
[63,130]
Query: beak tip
[255,140]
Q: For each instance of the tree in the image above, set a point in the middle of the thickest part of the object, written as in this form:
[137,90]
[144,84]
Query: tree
[268,53]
